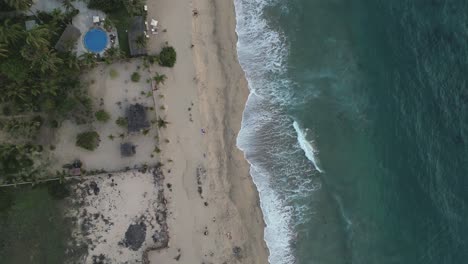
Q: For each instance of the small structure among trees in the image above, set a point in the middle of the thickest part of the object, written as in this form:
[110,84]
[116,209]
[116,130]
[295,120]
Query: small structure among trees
[135,34]
[68,39]
[136,118]
[127,149]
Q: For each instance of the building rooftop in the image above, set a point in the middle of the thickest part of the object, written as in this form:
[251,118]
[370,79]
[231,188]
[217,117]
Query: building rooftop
[68,39]
[136,30]
[127,149]
[136,118]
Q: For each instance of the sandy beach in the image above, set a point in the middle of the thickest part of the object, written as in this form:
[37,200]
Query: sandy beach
[213,208]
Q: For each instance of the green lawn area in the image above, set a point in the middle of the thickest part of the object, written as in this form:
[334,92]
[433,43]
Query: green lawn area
[122,21]
[33,228]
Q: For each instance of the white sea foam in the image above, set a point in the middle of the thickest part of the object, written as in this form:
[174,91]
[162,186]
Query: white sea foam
[277,215]
[262,54]
[307,146]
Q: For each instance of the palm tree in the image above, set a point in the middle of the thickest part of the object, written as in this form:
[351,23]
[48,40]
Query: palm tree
[57,16]
[19,4]
[67,4]
[141,41]
[162,123]
[10,33]
[38,37]
[159,78]
[72,61]
[47,61]
[109,24]
[113,53]
[88,59]
[3,51]
[15,92]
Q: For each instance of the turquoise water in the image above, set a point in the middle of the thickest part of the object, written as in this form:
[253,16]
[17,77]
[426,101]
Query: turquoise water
[356,128]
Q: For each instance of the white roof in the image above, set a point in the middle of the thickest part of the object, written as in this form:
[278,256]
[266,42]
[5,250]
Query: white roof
[95,19]
[154,23]
[145,7]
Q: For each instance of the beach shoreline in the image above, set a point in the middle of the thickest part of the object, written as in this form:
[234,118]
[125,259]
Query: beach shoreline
[214,213]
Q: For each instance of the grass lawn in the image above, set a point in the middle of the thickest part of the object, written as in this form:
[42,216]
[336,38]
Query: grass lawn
[122,21]
[33,228]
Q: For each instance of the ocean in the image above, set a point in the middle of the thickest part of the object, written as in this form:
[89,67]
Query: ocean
[356,128]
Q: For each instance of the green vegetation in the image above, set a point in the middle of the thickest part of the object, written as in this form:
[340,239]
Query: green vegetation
[112,54]
[162,123]
[102,116]
[121,122]
[113,73]
[135,77]
[34,229]
[88,140]
[167,57]
[159,78]
[33,76]
[18,162]
[22,127]
[20,5]
[141,41]
[120,13]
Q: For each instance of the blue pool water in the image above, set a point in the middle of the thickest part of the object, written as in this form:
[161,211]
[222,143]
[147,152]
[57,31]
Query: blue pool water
[95,40]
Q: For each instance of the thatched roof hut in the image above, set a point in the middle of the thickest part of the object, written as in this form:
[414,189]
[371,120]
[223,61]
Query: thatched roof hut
[136,30]
[136,118]
[127,149]
[68,39]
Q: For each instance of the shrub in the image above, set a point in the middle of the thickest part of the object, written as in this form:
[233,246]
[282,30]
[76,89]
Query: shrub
[105,5]
[58,190]
[167,57]
[102,116]
[113,73]
[153,58]
[88,140]
[135,77]
[54,124]
[38,121]
[6,110]
[122,122]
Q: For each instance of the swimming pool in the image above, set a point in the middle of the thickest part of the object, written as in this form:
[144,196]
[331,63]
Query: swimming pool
[95,40]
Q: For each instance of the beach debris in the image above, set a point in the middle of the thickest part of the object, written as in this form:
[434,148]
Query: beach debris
[100,259]
[195,12]
[135,236]
[200,173]
[178,257]
[237,252]
[94,187]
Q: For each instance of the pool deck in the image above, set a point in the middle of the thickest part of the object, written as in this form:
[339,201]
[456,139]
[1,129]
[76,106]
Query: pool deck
[83,21]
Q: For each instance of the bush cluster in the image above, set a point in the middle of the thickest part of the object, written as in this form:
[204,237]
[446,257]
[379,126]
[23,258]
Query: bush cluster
[102,116]
[88,140]
[167,57]
[135,77]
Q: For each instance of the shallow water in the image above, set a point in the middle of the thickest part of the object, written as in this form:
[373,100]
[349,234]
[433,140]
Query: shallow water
[356,128]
